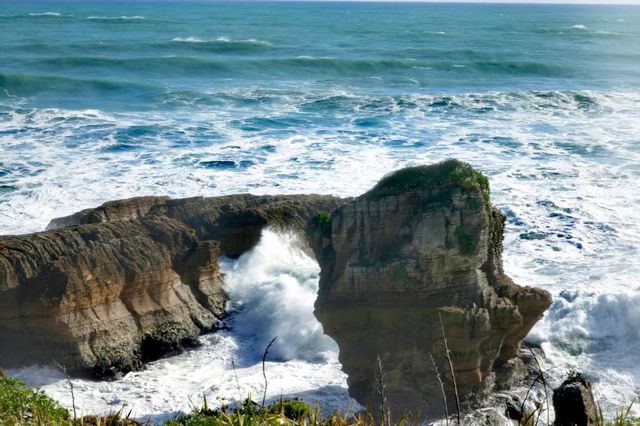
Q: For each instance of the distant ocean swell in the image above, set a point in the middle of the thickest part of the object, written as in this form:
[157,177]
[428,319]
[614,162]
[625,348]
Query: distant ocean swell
[185,65]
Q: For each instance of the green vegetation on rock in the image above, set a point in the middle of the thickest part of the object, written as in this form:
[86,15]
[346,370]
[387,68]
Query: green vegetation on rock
[466,242]
[441,177]
[20,405]
[323,221]
[401,275]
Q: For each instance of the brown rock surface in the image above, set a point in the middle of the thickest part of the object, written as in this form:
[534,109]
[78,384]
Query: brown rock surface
[424,243]
[131,280]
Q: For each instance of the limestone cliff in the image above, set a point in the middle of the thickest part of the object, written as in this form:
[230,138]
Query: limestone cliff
[424,243]
[109,288]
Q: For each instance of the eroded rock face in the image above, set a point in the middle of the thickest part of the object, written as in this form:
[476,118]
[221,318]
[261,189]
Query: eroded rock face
[424,244]
[109,288]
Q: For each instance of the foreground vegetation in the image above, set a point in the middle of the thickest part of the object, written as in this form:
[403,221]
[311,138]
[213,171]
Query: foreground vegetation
[20,405]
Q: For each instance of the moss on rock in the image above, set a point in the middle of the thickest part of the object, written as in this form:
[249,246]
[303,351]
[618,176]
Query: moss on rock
[438,178]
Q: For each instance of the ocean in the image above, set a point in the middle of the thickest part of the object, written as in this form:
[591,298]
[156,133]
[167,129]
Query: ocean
[105,100]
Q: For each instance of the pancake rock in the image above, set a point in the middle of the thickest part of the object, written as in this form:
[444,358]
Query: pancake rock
[109,288]
[423,244]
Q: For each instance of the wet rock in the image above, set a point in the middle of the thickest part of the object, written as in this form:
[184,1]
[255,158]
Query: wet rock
[573,403]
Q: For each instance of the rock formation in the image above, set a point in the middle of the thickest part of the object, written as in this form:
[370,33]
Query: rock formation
[574,404]
[131,280]
[423,246]
[108,288]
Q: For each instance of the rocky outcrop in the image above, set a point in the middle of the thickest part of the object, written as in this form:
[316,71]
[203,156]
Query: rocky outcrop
[107,289]
[574,404]
[131,280]
[419,252]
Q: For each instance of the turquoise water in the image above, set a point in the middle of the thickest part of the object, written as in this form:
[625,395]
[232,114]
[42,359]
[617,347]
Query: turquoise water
[106,100]
[148,56]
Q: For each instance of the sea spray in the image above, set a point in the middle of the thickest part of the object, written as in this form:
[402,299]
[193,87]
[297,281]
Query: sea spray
[272,289]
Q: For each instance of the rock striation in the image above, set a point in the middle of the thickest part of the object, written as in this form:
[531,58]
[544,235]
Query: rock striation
[420,252]
[107,289]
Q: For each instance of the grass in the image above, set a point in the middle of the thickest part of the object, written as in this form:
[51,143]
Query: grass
[622,417]
[291,412]
[21,405]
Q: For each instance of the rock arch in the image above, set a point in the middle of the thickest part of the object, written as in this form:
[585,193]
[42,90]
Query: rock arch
[108,288]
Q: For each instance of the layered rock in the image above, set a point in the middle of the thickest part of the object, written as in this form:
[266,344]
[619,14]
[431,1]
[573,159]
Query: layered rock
[132,280]
[108,288]
[419,252]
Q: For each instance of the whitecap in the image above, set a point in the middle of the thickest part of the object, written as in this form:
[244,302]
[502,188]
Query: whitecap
[221,40]
[116,18]
[46,14]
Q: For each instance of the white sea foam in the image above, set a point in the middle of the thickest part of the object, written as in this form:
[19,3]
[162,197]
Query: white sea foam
[225,40]
[561,167]
[273,288]
[45,14]
[116,18]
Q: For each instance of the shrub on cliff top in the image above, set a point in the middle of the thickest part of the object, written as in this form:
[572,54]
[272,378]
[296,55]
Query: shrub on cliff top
[20,405]
[442,177]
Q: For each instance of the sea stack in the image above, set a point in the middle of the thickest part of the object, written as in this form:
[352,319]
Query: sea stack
[419,253]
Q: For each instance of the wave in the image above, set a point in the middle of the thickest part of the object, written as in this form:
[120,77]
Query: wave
[272,290]
[221,40]
[34,15]
[518,68]
[579,31]
[117,18]
[46,14]
[177,65]
[222,44]
[29,84]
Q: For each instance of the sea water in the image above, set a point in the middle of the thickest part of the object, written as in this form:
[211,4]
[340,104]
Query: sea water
[107,100]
